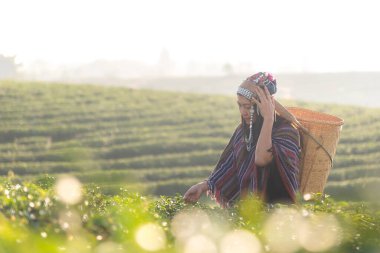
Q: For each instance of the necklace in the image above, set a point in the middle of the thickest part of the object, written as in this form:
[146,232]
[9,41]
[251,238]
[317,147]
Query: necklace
[249,140]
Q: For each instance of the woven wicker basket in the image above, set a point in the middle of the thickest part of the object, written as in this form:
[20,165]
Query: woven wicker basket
[320,134]
[316,158]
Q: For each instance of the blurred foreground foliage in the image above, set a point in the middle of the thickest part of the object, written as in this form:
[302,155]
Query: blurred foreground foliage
[33,219]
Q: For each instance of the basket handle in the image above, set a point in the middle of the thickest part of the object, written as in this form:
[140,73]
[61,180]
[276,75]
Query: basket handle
[292,119]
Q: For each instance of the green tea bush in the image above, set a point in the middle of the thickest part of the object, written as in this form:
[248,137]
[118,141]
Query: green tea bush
[35,218]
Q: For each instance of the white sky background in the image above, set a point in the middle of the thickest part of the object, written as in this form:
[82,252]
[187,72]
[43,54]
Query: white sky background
[279,36]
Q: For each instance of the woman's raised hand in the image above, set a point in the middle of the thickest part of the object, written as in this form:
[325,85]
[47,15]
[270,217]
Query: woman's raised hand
[194,193]
[265,102]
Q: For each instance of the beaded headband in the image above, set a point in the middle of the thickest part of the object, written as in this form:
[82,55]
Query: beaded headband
[245,93]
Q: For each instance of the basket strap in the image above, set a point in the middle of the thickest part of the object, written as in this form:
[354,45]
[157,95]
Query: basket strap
[303,129]
[292,119]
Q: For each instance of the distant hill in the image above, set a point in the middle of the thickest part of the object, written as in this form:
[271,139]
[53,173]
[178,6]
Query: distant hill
[153,141]
[351,88]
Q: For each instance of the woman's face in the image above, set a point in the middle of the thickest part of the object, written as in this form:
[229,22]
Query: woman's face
[244,107]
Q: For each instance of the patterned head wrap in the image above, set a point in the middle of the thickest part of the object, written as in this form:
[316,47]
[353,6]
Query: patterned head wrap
[260,79]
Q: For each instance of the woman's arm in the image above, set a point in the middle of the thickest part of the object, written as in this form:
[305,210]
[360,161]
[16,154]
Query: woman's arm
[263,153]
[195,192]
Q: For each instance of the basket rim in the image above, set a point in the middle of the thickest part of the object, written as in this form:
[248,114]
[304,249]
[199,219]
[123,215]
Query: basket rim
[334,120]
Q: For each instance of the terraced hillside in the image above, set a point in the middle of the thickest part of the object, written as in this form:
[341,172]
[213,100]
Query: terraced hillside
[157,142]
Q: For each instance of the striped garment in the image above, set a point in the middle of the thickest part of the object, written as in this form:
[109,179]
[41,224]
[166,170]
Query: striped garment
[236,173]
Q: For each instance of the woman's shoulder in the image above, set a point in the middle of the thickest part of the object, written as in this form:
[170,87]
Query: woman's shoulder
[283,127]
[281,122]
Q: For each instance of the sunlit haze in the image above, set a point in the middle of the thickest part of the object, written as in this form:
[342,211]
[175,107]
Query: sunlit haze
[282,36]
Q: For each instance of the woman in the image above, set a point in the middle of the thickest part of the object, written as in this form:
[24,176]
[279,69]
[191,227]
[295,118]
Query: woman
[262,156]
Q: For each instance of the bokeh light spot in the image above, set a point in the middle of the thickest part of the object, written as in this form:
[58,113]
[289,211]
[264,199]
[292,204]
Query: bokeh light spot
[281,230]
[323,227]
[241,241]
[69,190]
[307,196]
[188,223]
[200,244]
[151,237]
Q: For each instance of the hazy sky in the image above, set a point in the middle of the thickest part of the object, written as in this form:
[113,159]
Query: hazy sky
[295,35]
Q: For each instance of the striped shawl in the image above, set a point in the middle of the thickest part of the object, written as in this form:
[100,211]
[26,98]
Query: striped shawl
[236,173]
